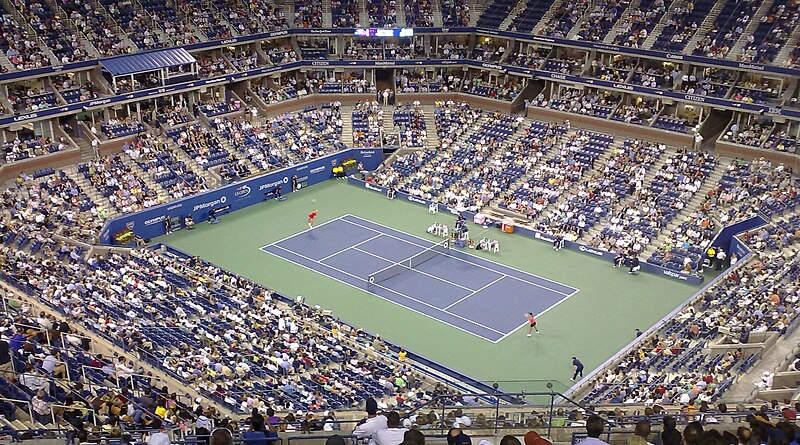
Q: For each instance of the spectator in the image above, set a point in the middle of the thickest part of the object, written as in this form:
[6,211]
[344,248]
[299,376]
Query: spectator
[160,437]
[394,432]
[594,428]
[374,422]
[6,364]
[742,435]
[259,433]
[670,435]
[40,407]
[641,433]
[220,436]
[693,433]
[413,437]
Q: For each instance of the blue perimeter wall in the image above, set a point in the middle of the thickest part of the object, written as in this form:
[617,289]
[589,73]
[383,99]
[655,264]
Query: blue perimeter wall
[588,250]
[149,223]
[726,237]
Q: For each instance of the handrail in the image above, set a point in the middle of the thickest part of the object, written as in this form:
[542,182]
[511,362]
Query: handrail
[87,409]
[657,327]
[26,402]
[462,378]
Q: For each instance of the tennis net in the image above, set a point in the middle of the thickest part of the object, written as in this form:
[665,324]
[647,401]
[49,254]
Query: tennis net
[409,263]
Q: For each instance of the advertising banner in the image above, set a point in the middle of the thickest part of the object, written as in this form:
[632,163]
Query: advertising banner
[582,248]
[149,223]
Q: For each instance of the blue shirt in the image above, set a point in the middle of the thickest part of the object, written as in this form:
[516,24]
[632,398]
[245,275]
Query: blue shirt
[259,437]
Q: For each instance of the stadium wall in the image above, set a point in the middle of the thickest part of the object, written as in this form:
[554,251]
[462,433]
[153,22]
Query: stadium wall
[725,238]
[419,362]
[53,160]
[588,250]
[150,93]
[149,223]
[790,160]
[617,128]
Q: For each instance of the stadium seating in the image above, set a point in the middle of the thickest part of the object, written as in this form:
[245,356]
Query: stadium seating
[509,160]
[419,13]
[589,103]
[96,27]
[640,23]
[220,108]
[602,16]
[548,181]
[495,13]
[19,44]
[564,19]
[727,29]
[530,16]
[17,149]
[680,27]
[308,14]
[258,16]
[772,33]
[367,124]
[455,12]
[55,30]
[409,121]
[296,375]
[612,193]
[119,183]
[670,366]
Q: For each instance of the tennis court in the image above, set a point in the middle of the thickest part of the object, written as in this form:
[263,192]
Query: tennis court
[470,293]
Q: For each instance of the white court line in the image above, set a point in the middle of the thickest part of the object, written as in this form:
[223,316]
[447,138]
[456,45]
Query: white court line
[461,259]
[475,292]
[382,287]
[465,261]
[539,314]
[382,297]
[341,218]
[305,231]
[414,270]
[351,247]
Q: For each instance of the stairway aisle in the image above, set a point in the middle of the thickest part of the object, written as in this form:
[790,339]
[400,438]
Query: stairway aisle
[690,207]
[347,125]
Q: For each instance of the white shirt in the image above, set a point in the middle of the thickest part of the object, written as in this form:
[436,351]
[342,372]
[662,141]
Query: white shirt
[370,427]
[592,441]
[390,436]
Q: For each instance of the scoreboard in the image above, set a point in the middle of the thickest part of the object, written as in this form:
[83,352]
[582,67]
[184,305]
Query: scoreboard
[384,32]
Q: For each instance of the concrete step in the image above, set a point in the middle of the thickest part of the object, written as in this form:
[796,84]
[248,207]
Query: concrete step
[624,19]
[476,8]
[751,27]
[653,36]
[437,13]
[691,206]
[347,125]
[24,23]
[327,18]
[363,13]
[99,200]
[515,11]
[547,16]
[401,15]
[704,27]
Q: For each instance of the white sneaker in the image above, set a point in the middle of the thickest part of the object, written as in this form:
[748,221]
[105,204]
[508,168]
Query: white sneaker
[529,335]
[572,380]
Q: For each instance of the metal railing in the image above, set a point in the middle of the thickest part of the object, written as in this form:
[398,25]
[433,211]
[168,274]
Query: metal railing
[17,401]
[86,411]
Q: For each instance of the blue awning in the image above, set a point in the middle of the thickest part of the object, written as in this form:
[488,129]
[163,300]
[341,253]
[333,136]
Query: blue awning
[150,61]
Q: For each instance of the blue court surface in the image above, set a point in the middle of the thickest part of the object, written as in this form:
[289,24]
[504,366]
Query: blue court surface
[465,291]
